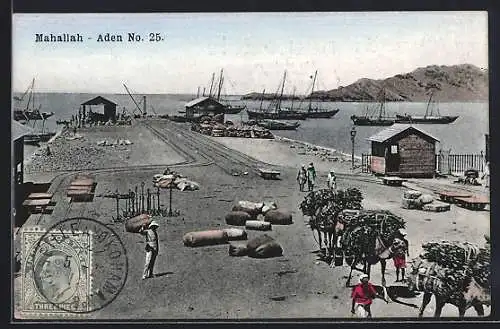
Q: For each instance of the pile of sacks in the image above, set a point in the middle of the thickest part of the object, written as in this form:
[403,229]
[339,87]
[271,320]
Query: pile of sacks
[416,200]
[258,216]
[174,180]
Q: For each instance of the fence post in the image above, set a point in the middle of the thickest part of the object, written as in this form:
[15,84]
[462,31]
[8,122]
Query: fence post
[481,160]
[149,200]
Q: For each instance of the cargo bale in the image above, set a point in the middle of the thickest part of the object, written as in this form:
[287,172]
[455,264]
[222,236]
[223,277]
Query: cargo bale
[436,206]
[205,238]
[257,241]
[238,249]
[269,206]
[410,203]
[267,250]
[237,218]
[279,217]
[411,194]
[251,211]
[234,234]
[426,198]
[258,225]
[134,224]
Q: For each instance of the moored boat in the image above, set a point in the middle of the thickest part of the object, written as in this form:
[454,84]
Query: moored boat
[278,125]
[316,112]
[380,120]
[275,111]
[429,117]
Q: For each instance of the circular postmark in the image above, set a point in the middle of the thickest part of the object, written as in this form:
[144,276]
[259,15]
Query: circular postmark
[78,265]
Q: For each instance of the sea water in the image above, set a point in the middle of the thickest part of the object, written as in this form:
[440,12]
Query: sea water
[466,135]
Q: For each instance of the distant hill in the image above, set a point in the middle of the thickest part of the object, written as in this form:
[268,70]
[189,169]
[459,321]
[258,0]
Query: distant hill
[463,82]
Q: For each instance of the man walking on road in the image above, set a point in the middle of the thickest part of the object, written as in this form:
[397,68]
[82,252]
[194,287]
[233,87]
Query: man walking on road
[362,297]
[151,248]
[302,177]
[311,177]
[332,180]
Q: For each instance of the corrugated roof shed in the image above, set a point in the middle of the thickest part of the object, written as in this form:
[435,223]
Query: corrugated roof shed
[196,101]
[20,130]
[394,130]
[99,100]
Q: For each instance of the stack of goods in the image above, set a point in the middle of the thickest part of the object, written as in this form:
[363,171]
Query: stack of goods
[410,199]
[447,267]
[82,189]
[174,180]
[416,200]
[370,232]
[217,129]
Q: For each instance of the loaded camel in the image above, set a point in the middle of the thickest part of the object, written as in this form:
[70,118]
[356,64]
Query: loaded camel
[368,239]
[324,207]
[464,284]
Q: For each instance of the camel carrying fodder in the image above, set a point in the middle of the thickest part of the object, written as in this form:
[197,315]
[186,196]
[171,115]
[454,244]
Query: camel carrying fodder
[368,239]
[323,207]
[457,273]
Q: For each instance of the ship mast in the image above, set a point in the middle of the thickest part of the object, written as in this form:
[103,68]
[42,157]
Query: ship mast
[312,90]
[278,104]
[382,107]
[211,85]
[293,96]
[262,99]
[221,79]
[428,104]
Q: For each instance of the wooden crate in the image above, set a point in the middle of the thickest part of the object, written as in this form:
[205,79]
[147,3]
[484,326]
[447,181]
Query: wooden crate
[473,202]
[40,196]
[449,196]
[269,174]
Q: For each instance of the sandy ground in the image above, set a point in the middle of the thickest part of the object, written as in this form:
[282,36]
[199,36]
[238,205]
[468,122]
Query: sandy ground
[288,153]
[68,153]
[207,283]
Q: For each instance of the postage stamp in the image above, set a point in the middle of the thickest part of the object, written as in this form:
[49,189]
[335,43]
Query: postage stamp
[77,266]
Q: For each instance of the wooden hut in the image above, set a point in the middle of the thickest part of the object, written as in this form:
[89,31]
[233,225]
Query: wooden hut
[404,151]
[109,109]
[203,106]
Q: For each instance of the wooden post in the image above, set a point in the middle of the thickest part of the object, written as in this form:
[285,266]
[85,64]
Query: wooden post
[170,200]
[136,200]
[117,205]
[158,197]
[149,200]
[142,196]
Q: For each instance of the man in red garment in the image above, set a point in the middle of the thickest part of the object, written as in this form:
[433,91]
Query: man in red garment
[400,250]
[362,296]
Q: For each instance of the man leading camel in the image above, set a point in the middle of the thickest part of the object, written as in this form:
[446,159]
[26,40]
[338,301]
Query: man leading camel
[400,249]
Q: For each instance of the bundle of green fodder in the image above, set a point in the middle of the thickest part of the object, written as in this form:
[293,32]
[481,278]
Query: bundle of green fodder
[360,236]
[325,204]
[448,266]
[481,268]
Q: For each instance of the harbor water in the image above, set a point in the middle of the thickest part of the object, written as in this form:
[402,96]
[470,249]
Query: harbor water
[465,135]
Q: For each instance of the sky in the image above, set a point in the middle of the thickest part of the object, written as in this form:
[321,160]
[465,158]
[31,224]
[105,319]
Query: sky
[253,49]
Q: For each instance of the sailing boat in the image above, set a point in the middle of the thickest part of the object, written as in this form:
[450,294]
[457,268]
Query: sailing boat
[380,120]
[429,116]
[228,108]
[275,111]
[27,113]
[315,113]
